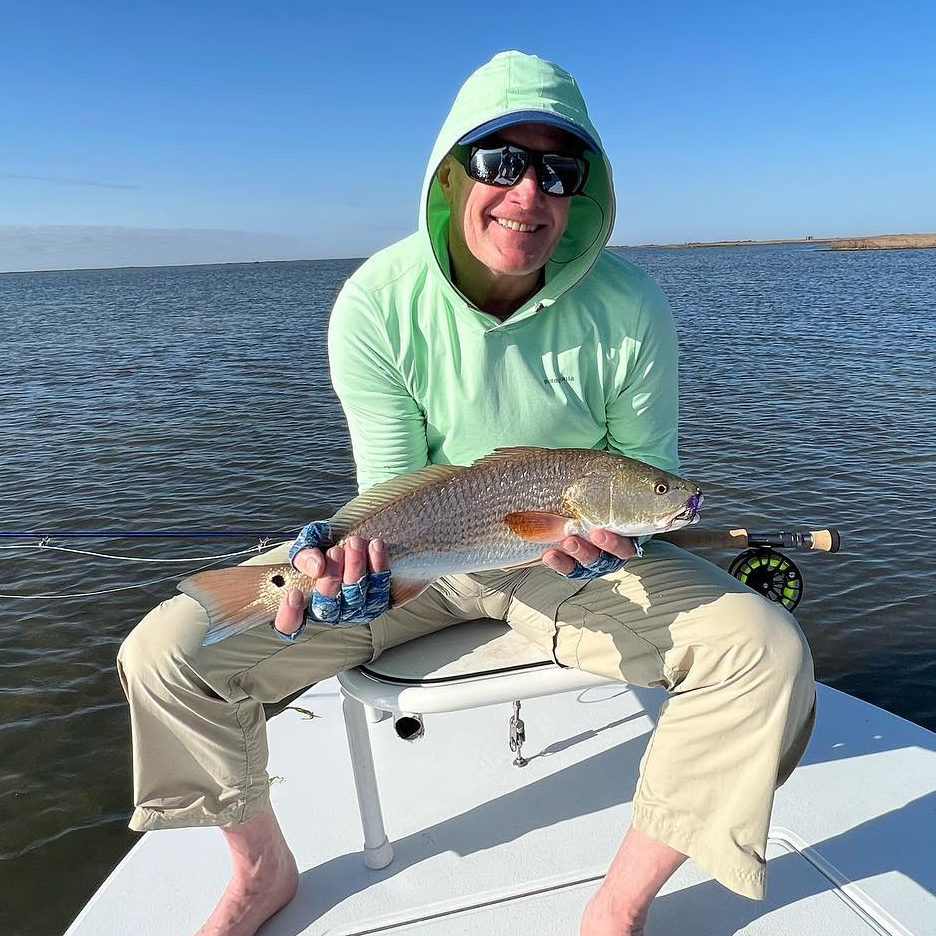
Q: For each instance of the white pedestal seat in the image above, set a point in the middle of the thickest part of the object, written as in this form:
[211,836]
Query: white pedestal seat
[464,666]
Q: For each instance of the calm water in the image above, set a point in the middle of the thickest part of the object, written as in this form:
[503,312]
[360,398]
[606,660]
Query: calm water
[169,398]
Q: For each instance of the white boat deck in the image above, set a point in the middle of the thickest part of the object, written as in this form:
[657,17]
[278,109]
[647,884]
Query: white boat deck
[483,847]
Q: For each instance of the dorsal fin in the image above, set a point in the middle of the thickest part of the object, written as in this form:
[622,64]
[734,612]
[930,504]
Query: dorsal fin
[382,495]
[512,451]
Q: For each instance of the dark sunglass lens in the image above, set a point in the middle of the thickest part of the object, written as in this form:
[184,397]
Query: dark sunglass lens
[513,164]
[500,165]
[561,175]
[483,165]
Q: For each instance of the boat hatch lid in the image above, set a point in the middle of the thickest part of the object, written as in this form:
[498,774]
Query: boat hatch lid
[475,648]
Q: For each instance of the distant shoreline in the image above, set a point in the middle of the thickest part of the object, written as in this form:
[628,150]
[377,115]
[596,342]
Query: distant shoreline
[725,243]
[885,242]
[172,266]
[877,242]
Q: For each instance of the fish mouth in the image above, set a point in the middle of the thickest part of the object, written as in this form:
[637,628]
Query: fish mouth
[688,513]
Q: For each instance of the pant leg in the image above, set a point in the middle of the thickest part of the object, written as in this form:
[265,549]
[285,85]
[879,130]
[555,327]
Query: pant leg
[741,701]
[197,720]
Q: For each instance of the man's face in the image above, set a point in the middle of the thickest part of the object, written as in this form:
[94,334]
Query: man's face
[479,211]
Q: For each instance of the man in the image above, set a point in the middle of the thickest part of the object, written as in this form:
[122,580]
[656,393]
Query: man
[501,322]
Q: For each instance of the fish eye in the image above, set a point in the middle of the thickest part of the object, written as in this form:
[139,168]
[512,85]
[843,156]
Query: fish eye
[660,487]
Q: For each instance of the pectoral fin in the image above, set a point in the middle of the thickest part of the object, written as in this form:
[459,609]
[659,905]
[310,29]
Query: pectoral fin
[537,526]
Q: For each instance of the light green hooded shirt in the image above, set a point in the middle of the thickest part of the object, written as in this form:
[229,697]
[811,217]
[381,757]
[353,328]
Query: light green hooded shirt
[590,361]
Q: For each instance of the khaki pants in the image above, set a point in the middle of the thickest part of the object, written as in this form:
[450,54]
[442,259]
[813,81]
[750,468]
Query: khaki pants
[736,722]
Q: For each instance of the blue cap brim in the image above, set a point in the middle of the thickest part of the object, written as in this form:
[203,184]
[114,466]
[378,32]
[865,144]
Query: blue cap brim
[531,116]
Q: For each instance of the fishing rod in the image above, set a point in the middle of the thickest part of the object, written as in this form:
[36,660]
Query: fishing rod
[762,566]
[689,537]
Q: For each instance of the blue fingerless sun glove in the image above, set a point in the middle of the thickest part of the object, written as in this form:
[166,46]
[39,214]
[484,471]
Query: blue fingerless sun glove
[605,563]
[315,534]
[358,603]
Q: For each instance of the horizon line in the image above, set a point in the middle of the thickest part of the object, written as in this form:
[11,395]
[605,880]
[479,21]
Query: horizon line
[752,242]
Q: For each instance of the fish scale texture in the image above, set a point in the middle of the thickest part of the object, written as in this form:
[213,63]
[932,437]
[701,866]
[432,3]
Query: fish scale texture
[457,524]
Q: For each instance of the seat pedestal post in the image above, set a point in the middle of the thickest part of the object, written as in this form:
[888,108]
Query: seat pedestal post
[378,852]
[375,715]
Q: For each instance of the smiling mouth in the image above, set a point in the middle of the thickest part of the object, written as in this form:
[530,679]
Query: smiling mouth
[517,226]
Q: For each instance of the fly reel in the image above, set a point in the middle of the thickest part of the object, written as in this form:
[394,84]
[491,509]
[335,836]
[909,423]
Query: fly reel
[770,573]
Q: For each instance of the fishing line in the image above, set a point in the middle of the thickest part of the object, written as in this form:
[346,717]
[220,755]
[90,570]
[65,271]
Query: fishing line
[45,534]
[207,560]
[106,591]
[86,552]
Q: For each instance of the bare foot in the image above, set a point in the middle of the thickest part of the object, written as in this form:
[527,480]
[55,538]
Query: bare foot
[253,895]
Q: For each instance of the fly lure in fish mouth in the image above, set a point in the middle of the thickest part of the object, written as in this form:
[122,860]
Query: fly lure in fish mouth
[692,508]
[690,512]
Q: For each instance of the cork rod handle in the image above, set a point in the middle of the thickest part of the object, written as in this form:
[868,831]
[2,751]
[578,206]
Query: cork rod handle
[827,540]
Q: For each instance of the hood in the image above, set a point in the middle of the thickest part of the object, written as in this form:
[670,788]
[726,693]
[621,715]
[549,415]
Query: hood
[511,82]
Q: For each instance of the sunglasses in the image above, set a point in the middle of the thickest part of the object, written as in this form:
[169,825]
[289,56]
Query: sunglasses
[504,164]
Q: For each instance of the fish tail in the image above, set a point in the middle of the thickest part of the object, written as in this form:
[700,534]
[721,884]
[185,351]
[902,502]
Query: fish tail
[234,598]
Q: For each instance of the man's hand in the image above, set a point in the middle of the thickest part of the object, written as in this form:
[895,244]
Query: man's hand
[350,567]
[601,553]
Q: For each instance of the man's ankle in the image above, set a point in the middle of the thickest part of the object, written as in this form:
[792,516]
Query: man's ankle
[621,910]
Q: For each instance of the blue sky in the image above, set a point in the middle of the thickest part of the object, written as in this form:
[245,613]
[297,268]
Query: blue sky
[307,125]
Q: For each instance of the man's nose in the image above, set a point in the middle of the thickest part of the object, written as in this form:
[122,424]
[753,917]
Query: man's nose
[527,189]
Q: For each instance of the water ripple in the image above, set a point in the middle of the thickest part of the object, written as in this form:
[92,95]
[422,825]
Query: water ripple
[171,397]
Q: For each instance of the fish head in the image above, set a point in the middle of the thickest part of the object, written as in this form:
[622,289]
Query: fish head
[631,498]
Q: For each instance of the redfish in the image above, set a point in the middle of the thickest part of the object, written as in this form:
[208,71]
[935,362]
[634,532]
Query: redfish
[504,510]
